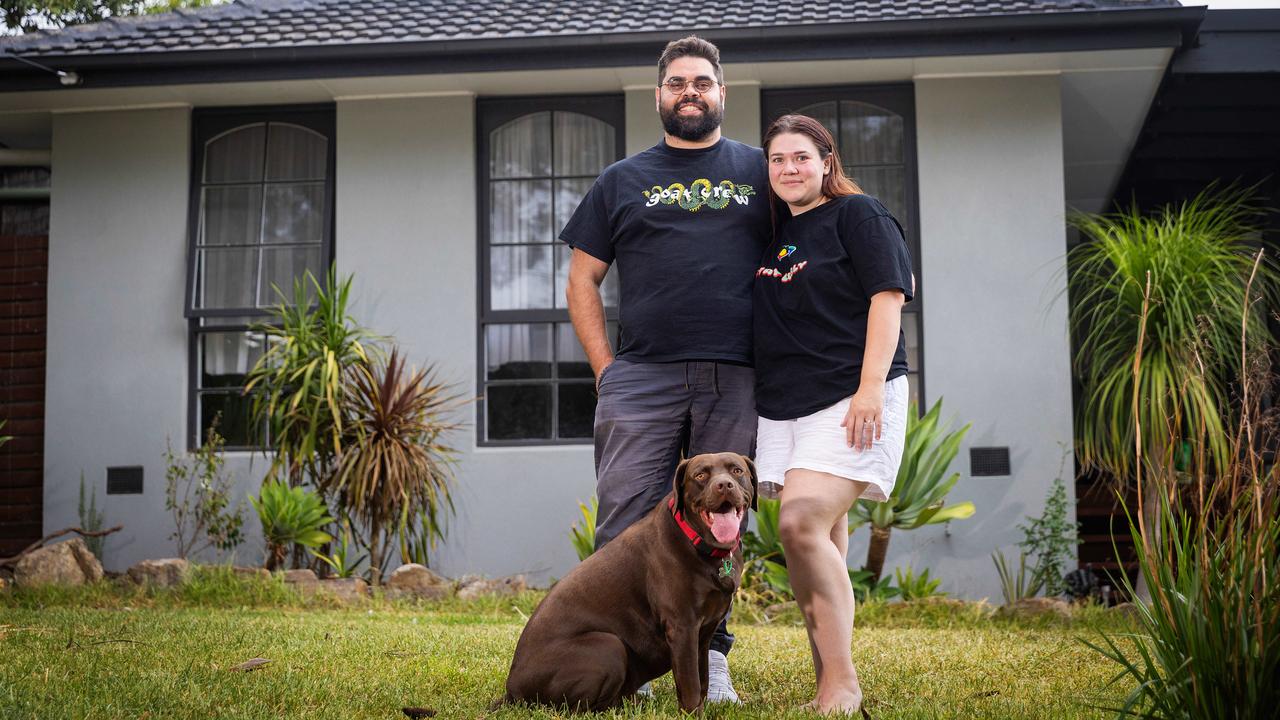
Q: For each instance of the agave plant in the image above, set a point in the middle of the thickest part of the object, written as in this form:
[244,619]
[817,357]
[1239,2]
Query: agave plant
[394,462]
[919,494]
[297,384]
[289,516]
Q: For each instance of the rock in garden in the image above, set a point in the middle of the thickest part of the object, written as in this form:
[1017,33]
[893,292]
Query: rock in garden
[471,589]
[160,573]
[1126,609]
[66,563]
[252,572]
[414,580]
[1038,607]
[346,589]
[300,577]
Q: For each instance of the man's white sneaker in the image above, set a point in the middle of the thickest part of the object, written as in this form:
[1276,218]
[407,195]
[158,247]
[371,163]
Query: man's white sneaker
[719,686]
[645,691]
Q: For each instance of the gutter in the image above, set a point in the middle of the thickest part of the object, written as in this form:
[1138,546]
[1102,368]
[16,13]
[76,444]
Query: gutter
[1005,34]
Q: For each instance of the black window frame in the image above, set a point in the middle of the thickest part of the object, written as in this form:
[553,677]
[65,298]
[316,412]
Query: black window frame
[206,124]
[492,113]
[898,98]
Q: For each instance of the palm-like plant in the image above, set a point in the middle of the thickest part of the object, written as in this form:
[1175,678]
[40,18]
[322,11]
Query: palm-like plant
[289,516]
[297,384]
[919,494]
[394,461]
[1157,310]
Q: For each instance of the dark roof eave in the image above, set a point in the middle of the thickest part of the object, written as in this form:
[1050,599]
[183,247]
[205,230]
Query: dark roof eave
[1048,32]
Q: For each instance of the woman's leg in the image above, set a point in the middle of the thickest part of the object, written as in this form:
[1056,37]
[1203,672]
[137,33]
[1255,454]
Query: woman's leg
[813,507]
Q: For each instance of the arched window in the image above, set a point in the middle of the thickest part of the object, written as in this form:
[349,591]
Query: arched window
[538,158]
[261,217]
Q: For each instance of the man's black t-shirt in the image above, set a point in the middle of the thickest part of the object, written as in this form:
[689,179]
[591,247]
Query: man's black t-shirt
[812,295]
[686,229]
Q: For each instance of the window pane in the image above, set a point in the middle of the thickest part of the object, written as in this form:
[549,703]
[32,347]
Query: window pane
[911,334]
[296,153]
[521,148]
[913,383]
[232,215]
[520,212]
[869,134]
[518,412]
[824,113]
[569,194]
[577,407]
[886,183]
[235,156]
[232,412]
[584,145]
[294,213]
[281,266]
[520,277]
[608,289]
[226,357]
[518,352]
[571,361]
[244,321]
[227,278]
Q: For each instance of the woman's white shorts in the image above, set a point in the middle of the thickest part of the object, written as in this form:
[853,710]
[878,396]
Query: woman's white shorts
[817,442]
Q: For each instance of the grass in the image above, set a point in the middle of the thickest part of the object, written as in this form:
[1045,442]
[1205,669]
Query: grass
[110,652]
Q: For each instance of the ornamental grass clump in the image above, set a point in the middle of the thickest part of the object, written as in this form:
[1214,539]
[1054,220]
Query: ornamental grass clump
[1208,644]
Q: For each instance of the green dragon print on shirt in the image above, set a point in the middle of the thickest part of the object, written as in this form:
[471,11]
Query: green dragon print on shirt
[700,193]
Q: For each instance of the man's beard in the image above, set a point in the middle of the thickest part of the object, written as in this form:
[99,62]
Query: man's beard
[691,128]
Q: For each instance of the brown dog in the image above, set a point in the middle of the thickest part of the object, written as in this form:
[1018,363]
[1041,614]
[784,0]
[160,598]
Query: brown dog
[646,603]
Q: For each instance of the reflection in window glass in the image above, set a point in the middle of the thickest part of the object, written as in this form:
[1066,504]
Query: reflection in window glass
[536,380]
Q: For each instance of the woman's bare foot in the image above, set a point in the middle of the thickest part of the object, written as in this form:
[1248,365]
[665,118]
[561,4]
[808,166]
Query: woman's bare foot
[842,702]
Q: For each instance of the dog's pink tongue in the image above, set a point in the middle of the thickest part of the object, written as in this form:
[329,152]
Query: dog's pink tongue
[725,526]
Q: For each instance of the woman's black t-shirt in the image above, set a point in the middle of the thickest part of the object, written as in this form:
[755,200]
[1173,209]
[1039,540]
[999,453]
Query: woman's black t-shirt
[811,298]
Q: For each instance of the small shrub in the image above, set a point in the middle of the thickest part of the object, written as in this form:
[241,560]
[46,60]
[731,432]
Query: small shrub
[90,519]
[916,587]
[583,536]
[343,561]
[869,589]
[1026,583]
[290,516]
[1051,538]
[198,495]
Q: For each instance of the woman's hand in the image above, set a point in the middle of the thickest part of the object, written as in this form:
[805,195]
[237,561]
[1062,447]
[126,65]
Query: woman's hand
[862,423]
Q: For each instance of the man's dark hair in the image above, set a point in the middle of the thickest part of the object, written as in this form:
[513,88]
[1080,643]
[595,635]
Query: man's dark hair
[692,46]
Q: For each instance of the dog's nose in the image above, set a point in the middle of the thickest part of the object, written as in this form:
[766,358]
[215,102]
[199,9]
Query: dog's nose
[724,485]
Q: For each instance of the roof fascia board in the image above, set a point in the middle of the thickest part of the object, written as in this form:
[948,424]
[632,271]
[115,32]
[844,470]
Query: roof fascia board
[1061,32]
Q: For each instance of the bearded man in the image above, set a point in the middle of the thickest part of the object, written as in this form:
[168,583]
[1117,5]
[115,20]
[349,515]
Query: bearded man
[685,222]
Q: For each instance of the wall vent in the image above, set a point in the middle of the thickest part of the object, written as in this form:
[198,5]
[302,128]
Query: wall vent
[989,461]
[124,480]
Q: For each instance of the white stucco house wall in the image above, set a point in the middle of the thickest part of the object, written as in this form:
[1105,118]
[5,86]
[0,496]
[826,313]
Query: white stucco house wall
[384,125]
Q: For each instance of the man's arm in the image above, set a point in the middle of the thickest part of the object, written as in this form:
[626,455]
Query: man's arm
[586,309]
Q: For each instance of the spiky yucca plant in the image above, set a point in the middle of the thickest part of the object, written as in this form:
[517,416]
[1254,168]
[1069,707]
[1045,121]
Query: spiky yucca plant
[297,384]
[1195,257]
[395,460]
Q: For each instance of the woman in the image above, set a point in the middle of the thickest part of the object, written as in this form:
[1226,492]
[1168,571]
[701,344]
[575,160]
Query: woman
[831,386]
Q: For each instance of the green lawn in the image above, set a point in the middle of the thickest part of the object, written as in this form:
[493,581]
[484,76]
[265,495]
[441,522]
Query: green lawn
[112,656]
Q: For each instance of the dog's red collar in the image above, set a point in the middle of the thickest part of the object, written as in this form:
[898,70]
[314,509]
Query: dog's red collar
[696,539]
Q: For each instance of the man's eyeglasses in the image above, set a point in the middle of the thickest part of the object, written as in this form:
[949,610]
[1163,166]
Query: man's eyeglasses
[677,85]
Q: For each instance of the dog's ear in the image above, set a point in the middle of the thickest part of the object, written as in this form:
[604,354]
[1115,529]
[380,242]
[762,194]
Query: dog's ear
[755,484]
[678,485]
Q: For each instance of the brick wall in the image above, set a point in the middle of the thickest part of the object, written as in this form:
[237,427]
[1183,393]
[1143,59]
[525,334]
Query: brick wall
[23,284]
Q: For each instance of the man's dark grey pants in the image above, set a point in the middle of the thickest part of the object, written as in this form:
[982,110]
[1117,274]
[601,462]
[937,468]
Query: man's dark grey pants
[648,415]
